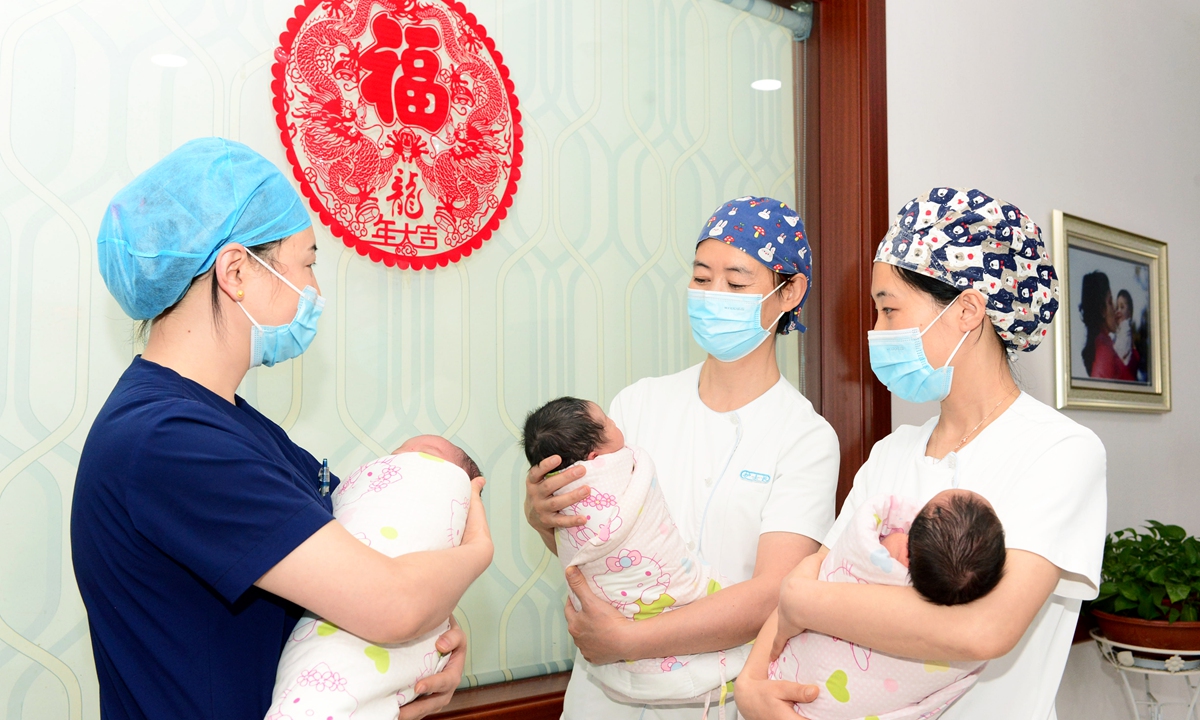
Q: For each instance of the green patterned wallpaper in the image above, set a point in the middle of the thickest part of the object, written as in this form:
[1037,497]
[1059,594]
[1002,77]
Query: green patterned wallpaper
[639,119]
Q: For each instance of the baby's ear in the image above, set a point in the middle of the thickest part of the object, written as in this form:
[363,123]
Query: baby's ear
[591,455]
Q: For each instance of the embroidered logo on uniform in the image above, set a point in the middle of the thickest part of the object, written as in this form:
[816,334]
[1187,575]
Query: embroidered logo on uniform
[756,477]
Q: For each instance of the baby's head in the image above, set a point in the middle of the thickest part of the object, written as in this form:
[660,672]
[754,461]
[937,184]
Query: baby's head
[955,548]
[1124,305]
[572,429]
[440,447]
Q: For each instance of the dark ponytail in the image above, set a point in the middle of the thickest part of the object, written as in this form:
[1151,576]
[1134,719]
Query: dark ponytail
[1093,306]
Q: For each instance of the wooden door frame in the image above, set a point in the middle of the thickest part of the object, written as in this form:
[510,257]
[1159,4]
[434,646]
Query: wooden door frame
[845,209]
[846,214]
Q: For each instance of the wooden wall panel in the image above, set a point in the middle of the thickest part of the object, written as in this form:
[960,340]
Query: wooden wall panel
[847,214]
[539,698]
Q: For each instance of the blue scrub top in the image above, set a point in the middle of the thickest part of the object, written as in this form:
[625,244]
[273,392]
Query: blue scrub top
[182,501]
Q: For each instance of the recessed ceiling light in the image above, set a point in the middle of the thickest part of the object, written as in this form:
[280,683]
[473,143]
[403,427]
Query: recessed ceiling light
[168,60]
[766,84]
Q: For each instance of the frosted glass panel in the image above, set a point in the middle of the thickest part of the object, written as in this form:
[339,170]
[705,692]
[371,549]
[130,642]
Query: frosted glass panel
[639,119]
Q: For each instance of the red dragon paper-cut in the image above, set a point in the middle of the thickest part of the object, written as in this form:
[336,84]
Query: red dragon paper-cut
[401,125]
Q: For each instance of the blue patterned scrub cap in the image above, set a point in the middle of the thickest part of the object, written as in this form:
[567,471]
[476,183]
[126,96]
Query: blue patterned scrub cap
[970,240]
[165,228]
[770,232]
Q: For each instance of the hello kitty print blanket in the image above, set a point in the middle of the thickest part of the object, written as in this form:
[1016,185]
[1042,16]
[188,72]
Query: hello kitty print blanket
[857,682]
[633,556]
[397,504]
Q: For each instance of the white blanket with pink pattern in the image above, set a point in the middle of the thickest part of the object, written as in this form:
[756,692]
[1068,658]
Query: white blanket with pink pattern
[397,504]
[858,682]
[633,556]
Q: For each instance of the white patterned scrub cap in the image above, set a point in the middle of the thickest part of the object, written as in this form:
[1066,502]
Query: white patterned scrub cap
[967,239]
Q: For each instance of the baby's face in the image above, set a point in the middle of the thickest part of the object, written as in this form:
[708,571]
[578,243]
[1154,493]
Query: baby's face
[1124,312]
[613,440]
[897,546]
[434,445]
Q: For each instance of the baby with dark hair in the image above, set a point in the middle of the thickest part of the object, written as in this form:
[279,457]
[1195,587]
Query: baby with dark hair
[572,429]
[629,551]
[954,549]
[952,552]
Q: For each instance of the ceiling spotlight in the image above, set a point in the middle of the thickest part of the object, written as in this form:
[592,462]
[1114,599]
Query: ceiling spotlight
[766,84]
[168,60]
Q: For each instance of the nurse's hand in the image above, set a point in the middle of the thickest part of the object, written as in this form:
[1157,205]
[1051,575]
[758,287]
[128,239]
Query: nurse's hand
[763,699]
[475,532]
[541,506]
[436,690]
[598,628]
[786,631]
[790,593]
[760,698]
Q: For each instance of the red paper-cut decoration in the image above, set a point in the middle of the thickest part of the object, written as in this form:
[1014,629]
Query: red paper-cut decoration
[401,125]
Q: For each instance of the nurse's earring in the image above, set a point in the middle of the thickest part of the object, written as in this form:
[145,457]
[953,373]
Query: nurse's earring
[240,294]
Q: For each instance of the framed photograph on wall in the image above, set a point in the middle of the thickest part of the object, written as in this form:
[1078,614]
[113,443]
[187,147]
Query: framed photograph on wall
[1112,338]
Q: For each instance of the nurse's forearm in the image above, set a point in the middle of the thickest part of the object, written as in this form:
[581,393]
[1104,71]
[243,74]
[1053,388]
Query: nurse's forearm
[433,582]
[367,593]
[727,618]
[898,621]
[720,621]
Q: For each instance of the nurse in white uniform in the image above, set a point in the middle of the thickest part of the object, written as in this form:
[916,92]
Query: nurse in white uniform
[960,281]
[748,468]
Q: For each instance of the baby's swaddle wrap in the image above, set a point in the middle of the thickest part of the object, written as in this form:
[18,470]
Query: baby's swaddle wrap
[632,555]
[397,504]
[858,682]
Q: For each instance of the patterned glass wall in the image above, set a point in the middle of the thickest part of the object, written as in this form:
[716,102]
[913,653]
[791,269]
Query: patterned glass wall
[639,120]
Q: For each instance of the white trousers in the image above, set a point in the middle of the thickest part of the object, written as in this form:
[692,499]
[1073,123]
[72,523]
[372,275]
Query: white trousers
[586,700]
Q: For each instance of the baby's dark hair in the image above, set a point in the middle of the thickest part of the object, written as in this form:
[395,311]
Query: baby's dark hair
[1128,298]
[468,464]
[956,550]
[562,427]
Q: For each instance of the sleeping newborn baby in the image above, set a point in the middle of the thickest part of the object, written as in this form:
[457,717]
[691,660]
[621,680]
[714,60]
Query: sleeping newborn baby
[630,552]
[413,500]
[953,551]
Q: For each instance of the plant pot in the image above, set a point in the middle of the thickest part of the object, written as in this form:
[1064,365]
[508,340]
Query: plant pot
[1149,633]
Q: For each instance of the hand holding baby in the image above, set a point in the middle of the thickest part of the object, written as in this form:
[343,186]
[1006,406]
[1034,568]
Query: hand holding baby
[476,533]
[599,629]
[786,628]
[435,691]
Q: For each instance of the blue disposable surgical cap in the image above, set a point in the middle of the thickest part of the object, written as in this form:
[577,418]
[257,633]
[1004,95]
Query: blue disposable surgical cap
[167,226]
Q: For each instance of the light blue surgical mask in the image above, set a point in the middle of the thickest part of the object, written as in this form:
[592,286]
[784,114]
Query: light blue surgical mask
[728,325]
[898,360]
[270,344]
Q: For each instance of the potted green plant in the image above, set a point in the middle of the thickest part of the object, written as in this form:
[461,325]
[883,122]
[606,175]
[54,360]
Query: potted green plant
[1150,588]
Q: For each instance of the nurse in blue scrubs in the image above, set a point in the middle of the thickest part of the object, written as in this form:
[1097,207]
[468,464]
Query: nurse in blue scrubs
[199,529]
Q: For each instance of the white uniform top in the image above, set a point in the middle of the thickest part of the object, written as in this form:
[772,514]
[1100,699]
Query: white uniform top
[769,466]
[1045,476]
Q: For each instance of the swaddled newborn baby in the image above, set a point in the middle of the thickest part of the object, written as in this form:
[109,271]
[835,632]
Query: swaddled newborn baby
[953,551]
[413,500]
[630,552]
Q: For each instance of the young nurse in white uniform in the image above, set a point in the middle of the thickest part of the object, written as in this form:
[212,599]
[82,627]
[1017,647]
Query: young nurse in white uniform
[748,468]
[960,280]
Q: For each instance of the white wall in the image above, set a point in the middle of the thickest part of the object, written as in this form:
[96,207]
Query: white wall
[1090,107]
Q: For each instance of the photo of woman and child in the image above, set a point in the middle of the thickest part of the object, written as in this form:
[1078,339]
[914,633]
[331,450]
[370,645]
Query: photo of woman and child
[1110,333]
